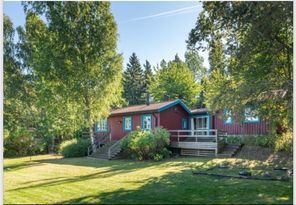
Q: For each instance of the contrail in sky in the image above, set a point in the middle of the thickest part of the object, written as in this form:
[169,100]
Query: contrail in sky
[166,13]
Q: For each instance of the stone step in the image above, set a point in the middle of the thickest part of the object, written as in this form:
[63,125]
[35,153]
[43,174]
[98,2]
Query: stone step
[229,151]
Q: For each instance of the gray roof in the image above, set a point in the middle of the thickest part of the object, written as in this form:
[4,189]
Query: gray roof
[199,110]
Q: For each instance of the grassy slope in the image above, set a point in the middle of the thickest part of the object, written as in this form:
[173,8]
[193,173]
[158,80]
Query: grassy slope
[49,179]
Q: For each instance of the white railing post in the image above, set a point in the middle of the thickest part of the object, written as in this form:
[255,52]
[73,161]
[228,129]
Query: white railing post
[178,137]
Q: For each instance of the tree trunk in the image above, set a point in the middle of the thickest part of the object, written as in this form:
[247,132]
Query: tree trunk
[90,123]
[52,144]
[91,135]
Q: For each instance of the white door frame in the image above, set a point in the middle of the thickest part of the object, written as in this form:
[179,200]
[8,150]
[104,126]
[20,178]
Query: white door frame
[193,125]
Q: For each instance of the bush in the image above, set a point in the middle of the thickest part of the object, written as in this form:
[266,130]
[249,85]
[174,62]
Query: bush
[74,148]
[284,142]
[258,140]
[278,142]
[21,143]
[143,145]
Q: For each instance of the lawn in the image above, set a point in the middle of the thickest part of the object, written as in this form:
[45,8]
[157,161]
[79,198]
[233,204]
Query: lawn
[52,179]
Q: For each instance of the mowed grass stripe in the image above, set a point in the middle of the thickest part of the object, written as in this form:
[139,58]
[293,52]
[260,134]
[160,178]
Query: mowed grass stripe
[49,179]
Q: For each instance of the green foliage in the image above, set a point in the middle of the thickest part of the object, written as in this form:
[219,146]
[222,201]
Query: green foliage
[176,81]
[143,145]
[280,142]
[217,55]
[134,82]
[148,78]
[177,59]
[20,113]
[74,148]
[256,140]
[22,143]
[285,142]
[73,57]
[251,55]
[195,63]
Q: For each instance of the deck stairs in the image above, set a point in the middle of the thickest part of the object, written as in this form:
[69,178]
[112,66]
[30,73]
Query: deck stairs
[227,151]
[102,152]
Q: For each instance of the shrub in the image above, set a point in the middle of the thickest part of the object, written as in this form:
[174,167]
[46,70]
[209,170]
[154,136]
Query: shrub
[143,145]
[278,142]
[284,142]
[21,143]
[259,140]
[74,148]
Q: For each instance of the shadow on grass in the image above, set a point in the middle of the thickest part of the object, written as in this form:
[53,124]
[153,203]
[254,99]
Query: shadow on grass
[184,187]
[19,166]
[110,169]
[177,187]
[122,163]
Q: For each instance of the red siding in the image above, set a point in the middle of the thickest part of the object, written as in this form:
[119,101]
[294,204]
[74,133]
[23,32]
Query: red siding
[116,128]
[171,118]
[240,128]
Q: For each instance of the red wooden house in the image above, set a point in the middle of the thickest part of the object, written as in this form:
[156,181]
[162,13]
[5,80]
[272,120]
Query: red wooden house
[175,115]
[196,129]
[170,115]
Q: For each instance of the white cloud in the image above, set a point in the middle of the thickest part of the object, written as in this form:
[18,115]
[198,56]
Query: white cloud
[167,13]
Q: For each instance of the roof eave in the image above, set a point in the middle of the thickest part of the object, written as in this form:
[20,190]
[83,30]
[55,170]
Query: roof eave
[173,103]
[133,113]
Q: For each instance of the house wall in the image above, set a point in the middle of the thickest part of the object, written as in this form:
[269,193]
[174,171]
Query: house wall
[115,124]
[171,118]
[244,128]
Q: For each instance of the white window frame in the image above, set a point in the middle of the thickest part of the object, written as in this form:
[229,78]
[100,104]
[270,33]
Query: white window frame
[250,116]
[102,125]
[144,122]
[125,120]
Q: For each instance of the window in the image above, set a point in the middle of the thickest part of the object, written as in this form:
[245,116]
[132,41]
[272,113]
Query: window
[146,122]
[102,125]
[184,123]
[250,115]
[227,116]
[127,123]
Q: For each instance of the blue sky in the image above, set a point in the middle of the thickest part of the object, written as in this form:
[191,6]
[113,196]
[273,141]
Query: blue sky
[153,30]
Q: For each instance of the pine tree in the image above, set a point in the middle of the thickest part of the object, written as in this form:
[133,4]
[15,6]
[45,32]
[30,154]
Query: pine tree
[163,64]
[216,55]
[133,82]
[147,77]
[177,59]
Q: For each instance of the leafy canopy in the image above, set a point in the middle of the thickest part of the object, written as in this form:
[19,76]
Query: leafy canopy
[73,56]
[176,81]
[257,46]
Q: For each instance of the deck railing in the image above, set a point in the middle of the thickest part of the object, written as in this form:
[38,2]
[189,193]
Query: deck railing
[115,147]
[195,139]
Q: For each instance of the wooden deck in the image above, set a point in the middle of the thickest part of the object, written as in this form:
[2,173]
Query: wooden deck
[203,139]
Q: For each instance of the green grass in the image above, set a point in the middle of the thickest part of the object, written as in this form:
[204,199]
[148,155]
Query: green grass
[51,179]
